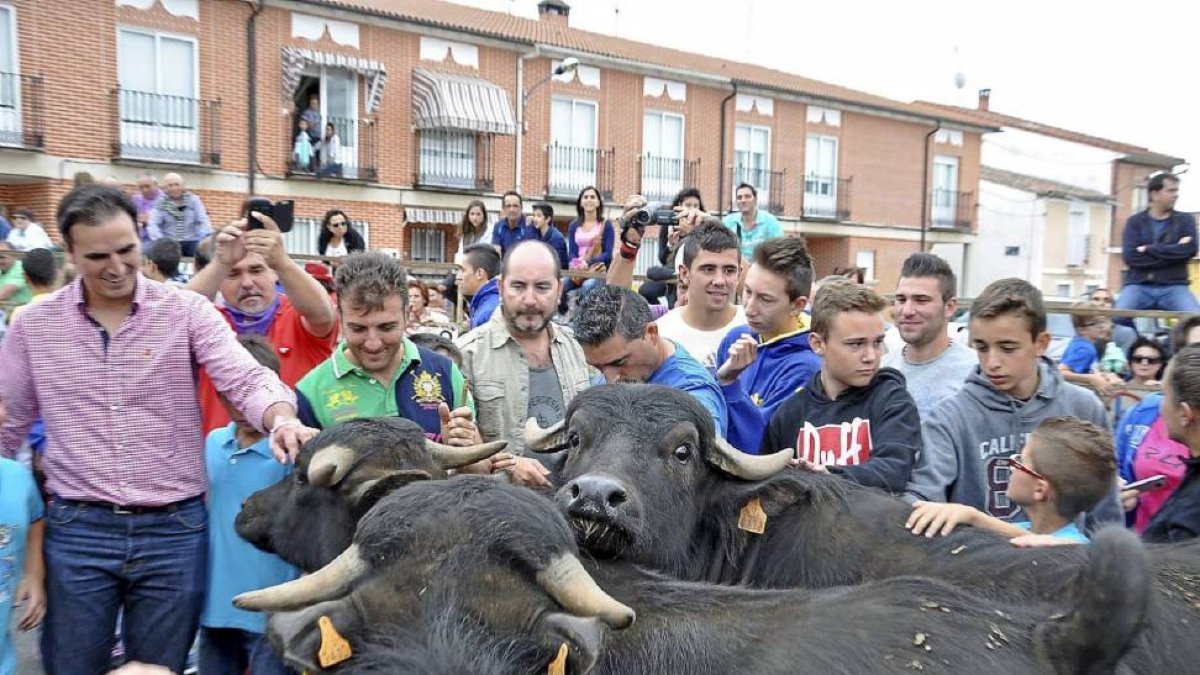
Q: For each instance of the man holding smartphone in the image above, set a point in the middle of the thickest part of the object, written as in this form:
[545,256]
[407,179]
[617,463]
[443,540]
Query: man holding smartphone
[248,266]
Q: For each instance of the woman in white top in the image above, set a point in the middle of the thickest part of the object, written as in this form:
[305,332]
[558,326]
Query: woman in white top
[27,235]
[338,237]
[330,147]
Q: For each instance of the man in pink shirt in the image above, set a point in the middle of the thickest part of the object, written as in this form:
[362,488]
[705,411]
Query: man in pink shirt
[108,362]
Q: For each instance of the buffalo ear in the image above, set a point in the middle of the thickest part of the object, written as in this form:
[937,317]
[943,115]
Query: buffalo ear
[583,636]
[777,493]
[370,492]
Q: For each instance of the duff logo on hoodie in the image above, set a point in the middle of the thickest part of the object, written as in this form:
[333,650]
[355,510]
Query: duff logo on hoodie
[843,444]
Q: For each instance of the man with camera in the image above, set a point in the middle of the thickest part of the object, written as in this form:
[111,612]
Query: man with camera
[248,260]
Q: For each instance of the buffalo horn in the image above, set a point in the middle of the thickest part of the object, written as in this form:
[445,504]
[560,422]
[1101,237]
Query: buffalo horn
[568,583]
[538,439]
[451,457]
[328,583]
[749,467]
[330,465]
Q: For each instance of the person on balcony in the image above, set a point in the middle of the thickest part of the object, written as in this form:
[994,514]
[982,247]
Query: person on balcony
[330,149]
[1157,245]
[180,215]
[751,224]
[302,149]
[26,234]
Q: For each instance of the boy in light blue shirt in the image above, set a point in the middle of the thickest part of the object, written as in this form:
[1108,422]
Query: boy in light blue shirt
[239,463]
[22,568]
[1066,467]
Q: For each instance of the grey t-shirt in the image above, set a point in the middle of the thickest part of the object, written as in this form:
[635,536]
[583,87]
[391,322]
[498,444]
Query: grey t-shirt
[929,383]
[545,396]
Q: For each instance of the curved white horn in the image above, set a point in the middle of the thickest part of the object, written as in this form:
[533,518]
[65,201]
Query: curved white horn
[452,457]
[538,439]
[747,466]
[328,583]
[329,465]
[568,583]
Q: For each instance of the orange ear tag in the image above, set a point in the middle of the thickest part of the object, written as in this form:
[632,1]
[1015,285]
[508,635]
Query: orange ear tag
[559,665]
[752,517]
[334,648]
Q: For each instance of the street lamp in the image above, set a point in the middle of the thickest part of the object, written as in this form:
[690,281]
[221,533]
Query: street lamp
[568,65]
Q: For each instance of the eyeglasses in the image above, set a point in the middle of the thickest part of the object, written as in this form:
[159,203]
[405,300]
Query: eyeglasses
[1015,462]
[1149,360]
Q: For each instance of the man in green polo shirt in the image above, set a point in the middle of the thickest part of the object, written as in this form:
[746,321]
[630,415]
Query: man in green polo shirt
[13,289]
[376,371]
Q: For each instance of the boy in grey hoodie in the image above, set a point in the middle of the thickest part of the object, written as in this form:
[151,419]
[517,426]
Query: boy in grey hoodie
[970,436]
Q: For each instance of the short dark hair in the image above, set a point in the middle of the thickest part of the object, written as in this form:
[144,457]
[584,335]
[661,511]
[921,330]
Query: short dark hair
[789,258]
[93,205]
[261,349]
[1076,457]
[512,193]
[546,209]
[711,237]
[929,265]
[1159,181]
[609,311]
[1179,333]
[1143,341]
[753,190]
[438,343]
[1012,296]
[203,254]
[40,267]
[839,297]
[688,192]
[165,253]
[483,257]
[366,279]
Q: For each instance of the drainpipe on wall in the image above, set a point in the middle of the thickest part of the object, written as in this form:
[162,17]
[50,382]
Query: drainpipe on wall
[721,161]
[925,199]
[251,97]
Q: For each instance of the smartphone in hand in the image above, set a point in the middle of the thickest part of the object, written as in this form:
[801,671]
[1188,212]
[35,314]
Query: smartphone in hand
[1147,484]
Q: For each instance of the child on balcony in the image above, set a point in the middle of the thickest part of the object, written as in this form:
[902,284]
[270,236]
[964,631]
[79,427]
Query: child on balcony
[302,149]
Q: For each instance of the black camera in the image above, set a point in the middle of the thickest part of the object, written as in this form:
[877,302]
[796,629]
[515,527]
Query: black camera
[654,214]
[282,212]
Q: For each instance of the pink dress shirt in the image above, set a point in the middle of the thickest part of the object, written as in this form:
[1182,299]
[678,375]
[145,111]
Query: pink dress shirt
[122,420]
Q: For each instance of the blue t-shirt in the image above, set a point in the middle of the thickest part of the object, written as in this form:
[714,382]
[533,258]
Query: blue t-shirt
[1068,532]
[766,226]
[1080,355]
[234,565]
[681,371]
[506,237]
[1160,226]
[20,507]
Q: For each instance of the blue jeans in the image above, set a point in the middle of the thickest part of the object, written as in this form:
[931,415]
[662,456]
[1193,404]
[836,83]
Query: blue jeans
[230,651]
[1176,298]
[152,566]
[583,289]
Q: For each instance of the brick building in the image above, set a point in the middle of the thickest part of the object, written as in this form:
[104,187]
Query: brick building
[436,104]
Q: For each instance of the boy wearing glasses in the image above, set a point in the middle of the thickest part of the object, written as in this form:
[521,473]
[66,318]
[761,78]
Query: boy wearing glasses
[1080,361]
[1066,467]
[971,435]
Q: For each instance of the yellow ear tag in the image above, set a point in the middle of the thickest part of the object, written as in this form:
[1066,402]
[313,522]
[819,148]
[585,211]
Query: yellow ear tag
[334,648]
[559,665]
[752,517]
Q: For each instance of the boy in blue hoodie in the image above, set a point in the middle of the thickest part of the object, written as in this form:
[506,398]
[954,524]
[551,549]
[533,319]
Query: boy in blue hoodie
[478,277]
[971,435]
[769,359]
[854,419]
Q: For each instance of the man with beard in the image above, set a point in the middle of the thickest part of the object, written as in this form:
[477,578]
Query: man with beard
[934,364]
[620,339]
[519,364]
[300,322]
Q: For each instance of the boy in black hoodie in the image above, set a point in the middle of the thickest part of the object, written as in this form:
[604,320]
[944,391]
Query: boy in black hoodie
[854,419]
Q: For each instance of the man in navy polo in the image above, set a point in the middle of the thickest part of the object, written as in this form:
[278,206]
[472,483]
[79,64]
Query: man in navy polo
[513,227]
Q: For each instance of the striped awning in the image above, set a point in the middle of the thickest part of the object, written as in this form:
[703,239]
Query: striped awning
[422,216]
[444,101]
[296,59]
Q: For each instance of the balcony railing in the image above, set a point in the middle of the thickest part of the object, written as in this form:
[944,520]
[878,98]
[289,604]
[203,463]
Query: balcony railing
[768,183]
[952,209]
[826,197]
[164,128]
[22,111]
[455,159]
[353,159]
[570,169]
[664,177]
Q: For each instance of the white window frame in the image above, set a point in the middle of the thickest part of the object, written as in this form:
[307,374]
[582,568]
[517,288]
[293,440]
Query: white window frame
[663,116]
[576,103]
[158,35]
[659,176]
[11,122]
[434,142]
[944,200]
[751,131]
[348,152]
[820,192]
[431,236]
[1141,198]
[1078,224]
[1069,286]
[865,260]
[579,170]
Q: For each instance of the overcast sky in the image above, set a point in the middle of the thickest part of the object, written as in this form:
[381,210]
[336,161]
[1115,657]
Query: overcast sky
[1122,70]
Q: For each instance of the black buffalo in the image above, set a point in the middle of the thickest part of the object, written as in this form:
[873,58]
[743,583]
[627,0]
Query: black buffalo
[309,517]
[658,488]
[469,566]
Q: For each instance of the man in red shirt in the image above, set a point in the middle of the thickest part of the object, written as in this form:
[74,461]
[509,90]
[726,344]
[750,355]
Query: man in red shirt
[300,322]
